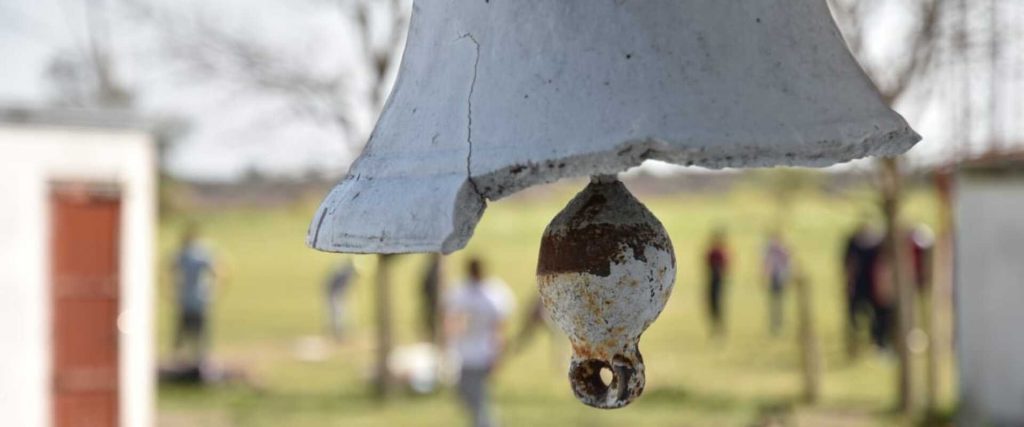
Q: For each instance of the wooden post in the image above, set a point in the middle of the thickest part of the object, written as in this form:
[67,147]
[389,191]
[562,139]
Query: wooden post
[810,357]
[895,253]
[438,307]
[382,380]
[931,320]
[940,283]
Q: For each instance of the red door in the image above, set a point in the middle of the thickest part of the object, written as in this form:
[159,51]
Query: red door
[85,232]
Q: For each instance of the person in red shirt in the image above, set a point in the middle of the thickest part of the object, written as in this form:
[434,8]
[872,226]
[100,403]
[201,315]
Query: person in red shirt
[717,259]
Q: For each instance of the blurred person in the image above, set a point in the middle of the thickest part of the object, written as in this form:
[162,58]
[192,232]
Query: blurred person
[536,318]
[336,291]
[431,288]
[717,260]
[860,267]
[915,246]
[883,291]
[884,296]
[922,243]
[475,317]
[195,273]
[776,270]
[883,304]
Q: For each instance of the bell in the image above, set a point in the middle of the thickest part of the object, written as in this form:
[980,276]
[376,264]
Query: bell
[494,96]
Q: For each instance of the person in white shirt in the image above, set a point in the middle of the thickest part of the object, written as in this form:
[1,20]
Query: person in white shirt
[475,317]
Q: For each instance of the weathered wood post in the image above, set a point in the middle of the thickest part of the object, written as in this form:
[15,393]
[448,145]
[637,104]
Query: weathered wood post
[895,255]
[930,317]
[940,283]
[810,354]
[382,300]
[437,308]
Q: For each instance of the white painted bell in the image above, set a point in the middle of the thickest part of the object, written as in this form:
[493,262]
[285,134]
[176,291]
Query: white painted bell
[494,96]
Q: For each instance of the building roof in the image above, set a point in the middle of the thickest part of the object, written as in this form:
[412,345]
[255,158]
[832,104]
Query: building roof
[1010,162]
[72,117]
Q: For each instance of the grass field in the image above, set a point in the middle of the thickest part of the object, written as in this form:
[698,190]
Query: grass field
[274,298]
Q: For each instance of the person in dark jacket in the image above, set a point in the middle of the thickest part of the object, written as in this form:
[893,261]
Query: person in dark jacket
[861,267]
[430,286]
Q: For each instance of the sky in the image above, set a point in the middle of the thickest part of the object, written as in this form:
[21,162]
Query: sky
[233,129]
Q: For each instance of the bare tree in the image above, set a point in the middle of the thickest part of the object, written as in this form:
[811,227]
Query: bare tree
[201,49]
[87,77]
[380,43]
[383,57]
[913,61]
[204,48]
[895,75]
[197,50]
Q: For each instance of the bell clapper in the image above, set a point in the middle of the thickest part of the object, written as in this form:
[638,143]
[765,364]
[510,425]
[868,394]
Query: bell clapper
[605,272]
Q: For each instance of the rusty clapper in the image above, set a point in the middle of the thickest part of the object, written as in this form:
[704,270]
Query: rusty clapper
[606,271]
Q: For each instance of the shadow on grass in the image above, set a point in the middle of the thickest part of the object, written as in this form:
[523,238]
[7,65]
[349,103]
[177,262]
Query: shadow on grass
[239,397]
[681,395]
[765,411]
[942,418]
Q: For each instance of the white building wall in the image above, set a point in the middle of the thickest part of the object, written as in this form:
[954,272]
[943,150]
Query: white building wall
[990,298]
[31,158]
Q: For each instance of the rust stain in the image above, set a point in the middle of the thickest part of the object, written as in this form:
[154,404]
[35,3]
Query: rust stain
[585,378]
[590,242]
[604,272]
[594,248]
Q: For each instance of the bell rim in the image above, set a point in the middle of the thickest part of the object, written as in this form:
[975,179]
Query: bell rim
[468,203]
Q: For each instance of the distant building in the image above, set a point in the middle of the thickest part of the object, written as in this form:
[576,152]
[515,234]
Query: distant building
[77,224]
[990,290]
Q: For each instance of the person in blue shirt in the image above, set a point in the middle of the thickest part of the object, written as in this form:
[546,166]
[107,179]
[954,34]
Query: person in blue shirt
[194,274]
